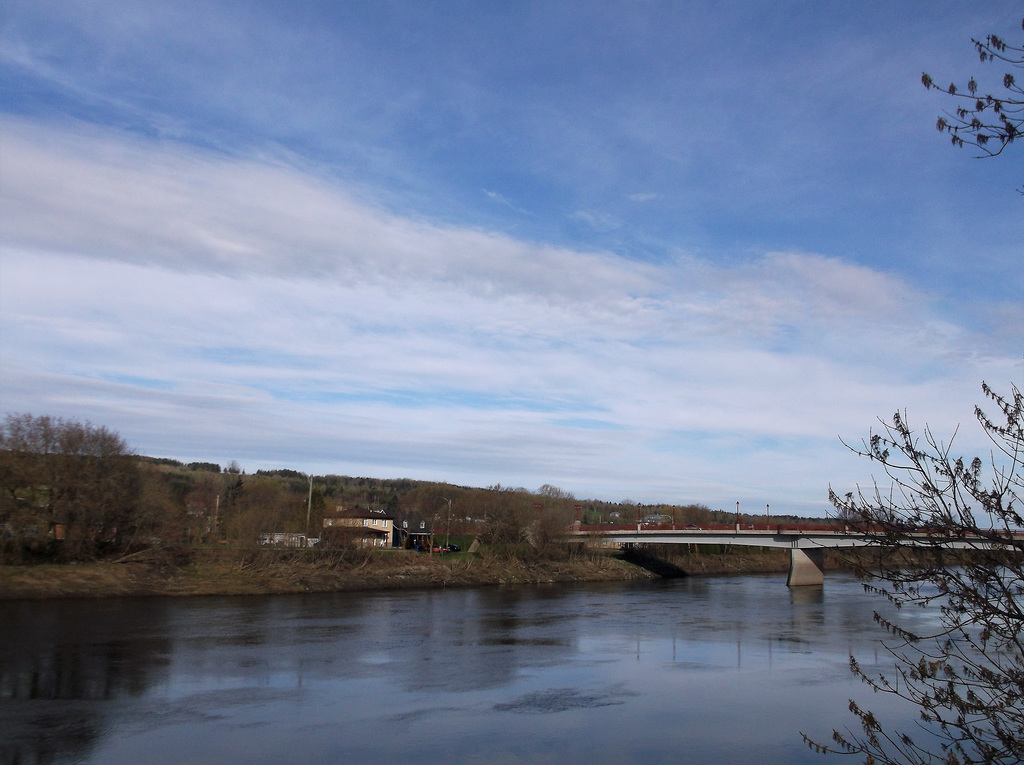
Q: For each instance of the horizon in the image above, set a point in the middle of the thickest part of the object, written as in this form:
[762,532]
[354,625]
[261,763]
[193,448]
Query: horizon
[631,249]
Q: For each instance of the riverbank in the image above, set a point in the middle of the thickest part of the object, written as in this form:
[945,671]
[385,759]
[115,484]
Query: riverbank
[266,572]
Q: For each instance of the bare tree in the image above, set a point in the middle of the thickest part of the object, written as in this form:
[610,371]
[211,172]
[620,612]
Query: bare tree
[554,492]
[967,677]
[67,482]
[988,121]
[507,514]
[258,506]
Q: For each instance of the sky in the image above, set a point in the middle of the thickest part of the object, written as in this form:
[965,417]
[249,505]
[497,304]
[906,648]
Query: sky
[666,252]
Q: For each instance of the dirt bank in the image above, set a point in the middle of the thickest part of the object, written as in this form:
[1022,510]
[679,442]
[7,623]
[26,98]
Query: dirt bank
[270,572]
[251,572]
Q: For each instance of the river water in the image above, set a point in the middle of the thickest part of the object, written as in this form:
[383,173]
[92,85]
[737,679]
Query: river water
[701,670]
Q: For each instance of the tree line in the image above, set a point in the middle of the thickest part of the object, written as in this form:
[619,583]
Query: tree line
[74,491]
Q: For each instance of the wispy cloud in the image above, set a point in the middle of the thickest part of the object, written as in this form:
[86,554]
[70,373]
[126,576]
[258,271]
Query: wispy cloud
[506,202]
[643,197]
[224,308]
[599,221]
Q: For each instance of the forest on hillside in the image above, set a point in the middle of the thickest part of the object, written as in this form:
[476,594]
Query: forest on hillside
[72,491]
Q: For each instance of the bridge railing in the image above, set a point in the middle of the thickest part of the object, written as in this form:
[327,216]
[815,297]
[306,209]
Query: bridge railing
[835,527]
[779,528]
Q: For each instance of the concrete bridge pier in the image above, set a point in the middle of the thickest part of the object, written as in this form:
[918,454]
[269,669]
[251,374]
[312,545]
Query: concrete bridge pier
[806,567]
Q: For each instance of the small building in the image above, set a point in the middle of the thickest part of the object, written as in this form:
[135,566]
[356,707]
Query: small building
[412,532]
[657,519]
[287,539]
[369,527]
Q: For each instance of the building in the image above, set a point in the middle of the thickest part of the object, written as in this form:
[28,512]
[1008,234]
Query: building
[287,539]
[368,527]
[412,532]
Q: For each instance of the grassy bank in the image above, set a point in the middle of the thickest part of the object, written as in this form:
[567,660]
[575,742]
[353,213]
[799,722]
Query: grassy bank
[220,571]
[237,572]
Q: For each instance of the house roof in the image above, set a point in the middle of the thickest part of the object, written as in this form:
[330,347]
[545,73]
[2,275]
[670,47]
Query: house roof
[363,512]
[414,521]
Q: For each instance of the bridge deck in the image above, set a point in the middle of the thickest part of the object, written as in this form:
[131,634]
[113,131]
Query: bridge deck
[800,538]
[806,545]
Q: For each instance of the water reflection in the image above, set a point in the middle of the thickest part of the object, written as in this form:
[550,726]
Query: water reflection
[512,675]
[72,655]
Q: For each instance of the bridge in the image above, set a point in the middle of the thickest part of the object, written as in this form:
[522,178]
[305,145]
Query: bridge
[806,544]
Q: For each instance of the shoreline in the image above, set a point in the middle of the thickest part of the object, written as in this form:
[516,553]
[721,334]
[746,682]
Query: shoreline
[275,572]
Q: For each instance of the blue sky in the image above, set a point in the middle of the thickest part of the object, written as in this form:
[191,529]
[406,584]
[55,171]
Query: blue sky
[665,251]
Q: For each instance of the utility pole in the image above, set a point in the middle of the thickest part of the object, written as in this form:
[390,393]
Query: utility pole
[309,507]
[448,529]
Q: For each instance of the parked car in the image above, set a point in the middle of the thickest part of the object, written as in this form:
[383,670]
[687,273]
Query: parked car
[446,548]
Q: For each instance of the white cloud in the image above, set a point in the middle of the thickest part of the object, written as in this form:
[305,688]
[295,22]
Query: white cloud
[118,197]
[503,200]
[601,222]
[219,308]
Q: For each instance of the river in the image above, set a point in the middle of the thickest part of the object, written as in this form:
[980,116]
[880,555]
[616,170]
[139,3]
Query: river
[700,670]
